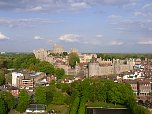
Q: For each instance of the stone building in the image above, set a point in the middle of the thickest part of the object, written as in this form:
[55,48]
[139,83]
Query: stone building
[57,49]
[41,54]
[74,50]
[115,66]
[141,87]
[85,58]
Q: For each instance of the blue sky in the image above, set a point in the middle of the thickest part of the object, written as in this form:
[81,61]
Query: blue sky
[115,26]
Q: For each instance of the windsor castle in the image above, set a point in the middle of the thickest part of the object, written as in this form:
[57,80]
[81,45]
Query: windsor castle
[89,64]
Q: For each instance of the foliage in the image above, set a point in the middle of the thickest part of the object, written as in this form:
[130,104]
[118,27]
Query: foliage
[59,72]
[23,102]
[23,61]
[136,109]
[81,109]
[51,91]
[46,67]
[8,99]
[105,93]
[75,106]
[49,95]
[104,104]
[65,53]
[64,87]
[4,61]
[8,78]
[55,96]
[84,89]
[63,109]
[29,62]
[40,95]
[2,77]
[123,56]
[3,109]
[73,58]
[59,99]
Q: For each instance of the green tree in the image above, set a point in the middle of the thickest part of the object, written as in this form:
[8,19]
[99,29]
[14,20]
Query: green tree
[23,61]
[8,99]
[59,98]
[73,58]
[3,63]
[8,78]
[84,89]
[59,72]
[3,109]
[18,61]
[40,95]
[51,91]
[81,109]
[64,87]
[23,102]
[65,53]
[45,67]
[97,94]
[75,106]
[2,77]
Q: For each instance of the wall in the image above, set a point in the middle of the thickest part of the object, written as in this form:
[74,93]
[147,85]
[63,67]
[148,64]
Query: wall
[95,69]
[14,78]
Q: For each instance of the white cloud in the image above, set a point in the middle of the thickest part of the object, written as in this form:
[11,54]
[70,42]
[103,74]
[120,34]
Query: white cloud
[143,14]
[142,24]
[70,37]
[78,6]
[25,22]
[99,35]
[147,6]
[117,43]
[3,37]
[37,8]
[138,13]
[147,42]
[38,38]
[56,5]
[114,17]
[115,2]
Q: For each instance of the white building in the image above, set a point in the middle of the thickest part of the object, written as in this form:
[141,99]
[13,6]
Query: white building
[86,57]
[15,76]
[57,49]
[74,50]
[41,54]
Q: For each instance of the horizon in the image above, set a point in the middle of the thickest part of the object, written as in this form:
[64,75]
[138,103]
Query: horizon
[80,52]
[92,26]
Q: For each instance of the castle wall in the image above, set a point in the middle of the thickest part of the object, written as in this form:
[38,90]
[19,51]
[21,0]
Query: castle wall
[106,70]
[124,68]
[117,67]
[93,69]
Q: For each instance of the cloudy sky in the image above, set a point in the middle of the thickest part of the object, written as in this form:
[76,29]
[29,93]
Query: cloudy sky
[116,26]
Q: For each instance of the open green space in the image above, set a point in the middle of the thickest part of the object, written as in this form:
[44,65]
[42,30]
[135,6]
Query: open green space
[64,109]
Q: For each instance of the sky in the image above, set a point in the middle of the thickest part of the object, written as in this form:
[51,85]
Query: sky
[91,26]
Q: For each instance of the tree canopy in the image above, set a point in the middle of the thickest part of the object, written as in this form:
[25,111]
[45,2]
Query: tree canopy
[40,95]
[73,58]
[23,101]
[3,109]
[59,72]
[2,77]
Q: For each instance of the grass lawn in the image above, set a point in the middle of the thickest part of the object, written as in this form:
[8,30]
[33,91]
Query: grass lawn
[104,105]
[64,109]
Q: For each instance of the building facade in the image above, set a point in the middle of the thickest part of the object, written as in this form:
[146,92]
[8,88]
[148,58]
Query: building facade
[115,66]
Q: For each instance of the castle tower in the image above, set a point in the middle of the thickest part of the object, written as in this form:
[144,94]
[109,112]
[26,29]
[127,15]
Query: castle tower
[93,67]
